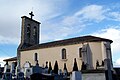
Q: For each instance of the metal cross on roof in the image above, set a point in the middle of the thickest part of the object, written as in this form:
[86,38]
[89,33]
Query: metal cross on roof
[31,14]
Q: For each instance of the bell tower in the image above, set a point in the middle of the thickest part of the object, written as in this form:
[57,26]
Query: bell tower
[29,35]
[29,31]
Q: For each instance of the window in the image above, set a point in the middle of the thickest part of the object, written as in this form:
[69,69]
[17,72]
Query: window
[36,58]
[28,30]
[63,53]
[35,31]
[80,52]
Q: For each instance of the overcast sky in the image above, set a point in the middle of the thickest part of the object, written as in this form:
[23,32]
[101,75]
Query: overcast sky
[61,19]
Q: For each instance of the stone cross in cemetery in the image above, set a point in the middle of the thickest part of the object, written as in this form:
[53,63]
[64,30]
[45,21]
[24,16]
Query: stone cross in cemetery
[46,68]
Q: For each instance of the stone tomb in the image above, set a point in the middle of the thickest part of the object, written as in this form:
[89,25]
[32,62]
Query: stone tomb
[76,75]
[93,75]
[27,69]
[20,76]
[36,69]
[7,76]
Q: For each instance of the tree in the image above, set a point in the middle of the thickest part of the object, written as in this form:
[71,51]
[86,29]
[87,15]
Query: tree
[50,67]
[83,67]
[56,68]
[75,67]
[65,68]
[102,63]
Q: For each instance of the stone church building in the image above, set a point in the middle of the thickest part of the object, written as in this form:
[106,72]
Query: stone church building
[88,49]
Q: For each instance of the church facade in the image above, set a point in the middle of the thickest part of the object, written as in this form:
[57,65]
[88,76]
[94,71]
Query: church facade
[87,49]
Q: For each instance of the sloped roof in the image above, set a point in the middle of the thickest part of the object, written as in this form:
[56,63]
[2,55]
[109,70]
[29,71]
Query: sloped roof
[70,41]
[11,59]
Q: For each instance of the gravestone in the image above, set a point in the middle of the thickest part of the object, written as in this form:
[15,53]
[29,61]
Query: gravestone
[46,65]
[105,64]
[6,67]
[59,72]
[76,75]
[20,76]
[27,65]
[13,68]
[46,68]
[27,72]
[36,69]
[7,76]
[27,69]
[65,73]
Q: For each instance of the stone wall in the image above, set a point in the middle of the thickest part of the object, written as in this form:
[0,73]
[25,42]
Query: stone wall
[93,76]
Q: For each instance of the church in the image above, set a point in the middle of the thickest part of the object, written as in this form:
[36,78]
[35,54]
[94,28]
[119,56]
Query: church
[88,49]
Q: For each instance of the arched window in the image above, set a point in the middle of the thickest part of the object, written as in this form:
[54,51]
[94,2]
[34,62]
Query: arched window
[28,30]
[35,31]
[80,52]
[63,53]
[36,56]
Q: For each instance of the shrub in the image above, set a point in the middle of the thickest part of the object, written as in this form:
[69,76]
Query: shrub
[56,68]
[75,67]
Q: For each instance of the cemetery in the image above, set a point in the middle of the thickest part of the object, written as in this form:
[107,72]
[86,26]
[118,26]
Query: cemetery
[36,72]
[29,72]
